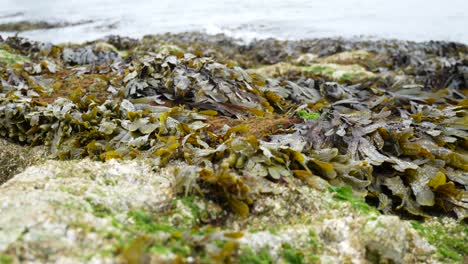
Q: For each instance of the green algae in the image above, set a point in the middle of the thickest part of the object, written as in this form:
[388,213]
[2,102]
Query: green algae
[308,254]
[345,193]
[248,255]
[314,242]
[353,73]
[10,58]
[292,255]
[144,234]
[98,209]
[287,254]
[190,201]
[319,69]
[170,49]
[346,77]
[450,239]
[339,72]
[194,213]
[147,223]
[5,259]
[147,233]
[306,115]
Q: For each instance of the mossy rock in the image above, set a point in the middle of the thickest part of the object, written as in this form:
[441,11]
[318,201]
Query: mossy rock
[9,58]
[337,72]
[367,59]
[70,206]
[331,71]
[449,237]
[169,49]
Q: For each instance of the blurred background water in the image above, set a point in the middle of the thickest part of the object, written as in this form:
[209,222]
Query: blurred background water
[418,20]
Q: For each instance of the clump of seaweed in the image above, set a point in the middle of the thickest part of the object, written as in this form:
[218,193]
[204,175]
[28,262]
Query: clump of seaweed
[403,146]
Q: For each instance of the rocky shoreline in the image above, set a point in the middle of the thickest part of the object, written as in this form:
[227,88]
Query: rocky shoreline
[193,148]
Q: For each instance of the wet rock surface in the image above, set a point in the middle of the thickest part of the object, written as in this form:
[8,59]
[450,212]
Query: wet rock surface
[196,148]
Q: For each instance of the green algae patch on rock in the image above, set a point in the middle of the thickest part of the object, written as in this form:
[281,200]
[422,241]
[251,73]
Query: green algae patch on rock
[249,256]
[368,60]
[306,59]
[275,70]
[345,193]
[193,211]
[170,49]
[6,259]
[105,47]
[9,58]
[331,71]
[337,72]
[449,237]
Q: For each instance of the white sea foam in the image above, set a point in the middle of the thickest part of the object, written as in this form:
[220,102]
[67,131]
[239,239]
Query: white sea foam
[247,19]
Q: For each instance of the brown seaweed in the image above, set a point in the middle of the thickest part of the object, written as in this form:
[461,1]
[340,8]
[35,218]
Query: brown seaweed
[401,143]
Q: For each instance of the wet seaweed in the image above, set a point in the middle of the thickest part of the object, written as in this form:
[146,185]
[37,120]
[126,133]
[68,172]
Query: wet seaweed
[398,140]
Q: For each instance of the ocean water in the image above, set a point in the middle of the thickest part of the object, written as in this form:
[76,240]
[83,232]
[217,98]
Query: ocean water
[418,20]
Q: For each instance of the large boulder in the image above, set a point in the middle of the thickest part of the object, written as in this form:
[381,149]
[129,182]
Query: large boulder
[55,212]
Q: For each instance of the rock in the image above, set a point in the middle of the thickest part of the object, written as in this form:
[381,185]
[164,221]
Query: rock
[306,59]
[104,47]
[169,49]
[54,211]
[15,158]
[277,69]
[361,57]
[389,239]
[331,71]
[338,72]
[78,211]
[339,231]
